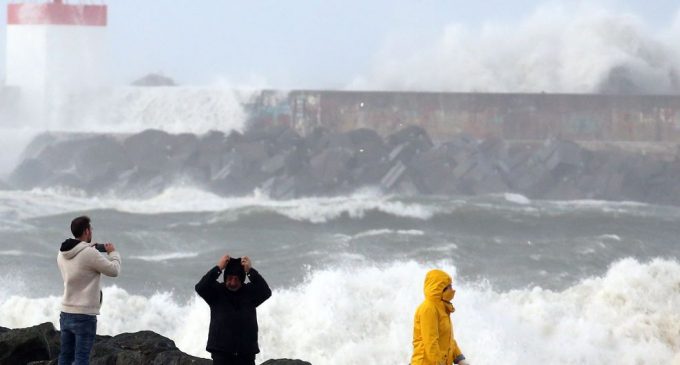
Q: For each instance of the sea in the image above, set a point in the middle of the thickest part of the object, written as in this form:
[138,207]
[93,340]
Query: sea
[537,282]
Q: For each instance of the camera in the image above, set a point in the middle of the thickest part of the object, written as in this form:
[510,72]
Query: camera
[100,247]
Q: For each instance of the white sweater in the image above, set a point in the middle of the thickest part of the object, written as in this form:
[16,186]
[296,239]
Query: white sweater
[81,267]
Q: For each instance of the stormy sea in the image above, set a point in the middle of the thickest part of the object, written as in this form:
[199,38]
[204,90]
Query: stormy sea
[537,281]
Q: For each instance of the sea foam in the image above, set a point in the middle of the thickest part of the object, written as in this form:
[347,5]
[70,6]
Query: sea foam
[363,314]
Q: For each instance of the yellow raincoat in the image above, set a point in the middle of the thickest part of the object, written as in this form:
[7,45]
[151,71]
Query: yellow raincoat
[433,342]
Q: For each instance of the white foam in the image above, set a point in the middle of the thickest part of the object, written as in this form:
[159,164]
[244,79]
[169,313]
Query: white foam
[385,231]
[517,198]
[612,237]
[11,253]
[166,256]
[561,47]
[363,315]
[125,110]
[45,202]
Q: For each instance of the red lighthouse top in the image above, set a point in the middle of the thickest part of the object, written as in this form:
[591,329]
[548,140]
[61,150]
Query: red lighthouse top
[56,13]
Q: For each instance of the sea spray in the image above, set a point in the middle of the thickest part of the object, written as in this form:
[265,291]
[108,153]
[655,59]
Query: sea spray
[363,314]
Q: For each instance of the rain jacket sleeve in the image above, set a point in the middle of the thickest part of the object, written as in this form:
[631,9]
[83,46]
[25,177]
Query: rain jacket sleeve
[206,286]
[429,328]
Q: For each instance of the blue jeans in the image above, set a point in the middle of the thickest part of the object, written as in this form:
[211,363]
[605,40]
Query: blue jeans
[77,338]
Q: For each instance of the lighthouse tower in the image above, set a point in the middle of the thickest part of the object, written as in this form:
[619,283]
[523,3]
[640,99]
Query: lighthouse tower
[55,47]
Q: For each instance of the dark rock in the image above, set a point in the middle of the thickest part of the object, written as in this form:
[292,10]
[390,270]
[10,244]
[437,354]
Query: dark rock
[370,174]
[158,151]
[393,176]
[274,164]
[413,134]
[564,157]
[38,144]
[285,362]
[153,79]
[99,165]
[30,173]
[330,166]
[23,345]
[143,347]
[40,345]
[317,141]
[433,170]
[284,165]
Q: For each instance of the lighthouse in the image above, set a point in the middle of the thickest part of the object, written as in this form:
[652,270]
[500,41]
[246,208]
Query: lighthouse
[55,47]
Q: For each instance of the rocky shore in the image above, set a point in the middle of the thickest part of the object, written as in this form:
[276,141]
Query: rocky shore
[283,164]
[39,345]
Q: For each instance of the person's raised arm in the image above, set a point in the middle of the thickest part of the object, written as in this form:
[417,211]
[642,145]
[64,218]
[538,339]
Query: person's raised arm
[260,286]
[109,265]
[206,286]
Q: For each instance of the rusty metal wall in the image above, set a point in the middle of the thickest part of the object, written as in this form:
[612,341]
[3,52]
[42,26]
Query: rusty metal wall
[634,118]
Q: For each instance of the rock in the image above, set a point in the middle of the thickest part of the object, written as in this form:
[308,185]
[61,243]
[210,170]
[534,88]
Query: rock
[330,166]
[413,134]
[99,164]
[144,347]
[274,164]
[153,79]
[367,145]
[285,362]
[40,345]
[370,174]
[283,164]
[30,173]
[317,140]
[564,157]
[24,345]
[433,170]
[393,176]
[38,144]
[160,152]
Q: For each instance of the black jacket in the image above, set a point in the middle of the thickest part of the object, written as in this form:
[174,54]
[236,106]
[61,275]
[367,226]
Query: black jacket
[233,319]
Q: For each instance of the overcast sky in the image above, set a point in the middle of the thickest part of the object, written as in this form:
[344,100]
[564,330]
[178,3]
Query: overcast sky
[326,43]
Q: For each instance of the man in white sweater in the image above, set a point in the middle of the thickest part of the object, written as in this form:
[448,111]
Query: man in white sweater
[81,266]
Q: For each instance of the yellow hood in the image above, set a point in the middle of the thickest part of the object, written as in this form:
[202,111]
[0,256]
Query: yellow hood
[435,282]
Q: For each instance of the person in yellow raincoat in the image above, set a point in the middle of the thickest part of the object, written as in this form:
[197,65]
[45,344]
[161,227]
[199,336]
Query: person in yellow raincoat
[433,342]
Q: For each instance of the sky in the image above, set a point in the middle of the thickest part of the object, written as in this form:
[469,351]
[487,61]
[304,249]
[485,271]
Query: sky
[390,44]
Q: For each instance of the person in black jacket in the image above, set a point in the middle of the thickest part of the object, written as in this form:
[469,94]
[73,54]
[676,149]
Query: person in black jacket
[232,338]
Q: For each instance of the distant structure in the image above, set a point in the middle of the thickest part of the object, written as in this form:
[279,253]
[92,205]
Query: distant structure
[55,47]
[510,116]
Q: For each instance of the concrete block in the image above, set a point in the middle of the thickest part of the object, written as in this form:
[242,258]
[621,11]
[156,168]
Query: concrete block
[565,156]
[274,164]
[29,174]
[330,166]
[414,135]
[251,153]
[392,177]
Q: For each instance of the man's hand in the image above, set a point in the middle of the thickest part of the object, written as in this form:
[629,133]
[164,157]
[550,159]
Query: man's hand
[245,261]
[223,262]
[109,247]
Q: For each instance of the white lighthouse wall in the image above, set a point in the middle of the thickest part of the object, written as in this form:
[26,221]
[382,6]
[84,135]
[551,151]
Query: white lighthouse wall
[26,62]
[56,58]
[76,58]
[54,66]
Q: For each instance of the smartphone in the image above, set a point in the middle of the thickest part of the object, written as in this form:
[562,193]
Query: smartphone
[100,247]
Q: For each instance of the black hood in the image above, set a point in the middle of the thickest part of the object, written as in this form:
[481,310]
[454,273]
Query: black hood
[69,244]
